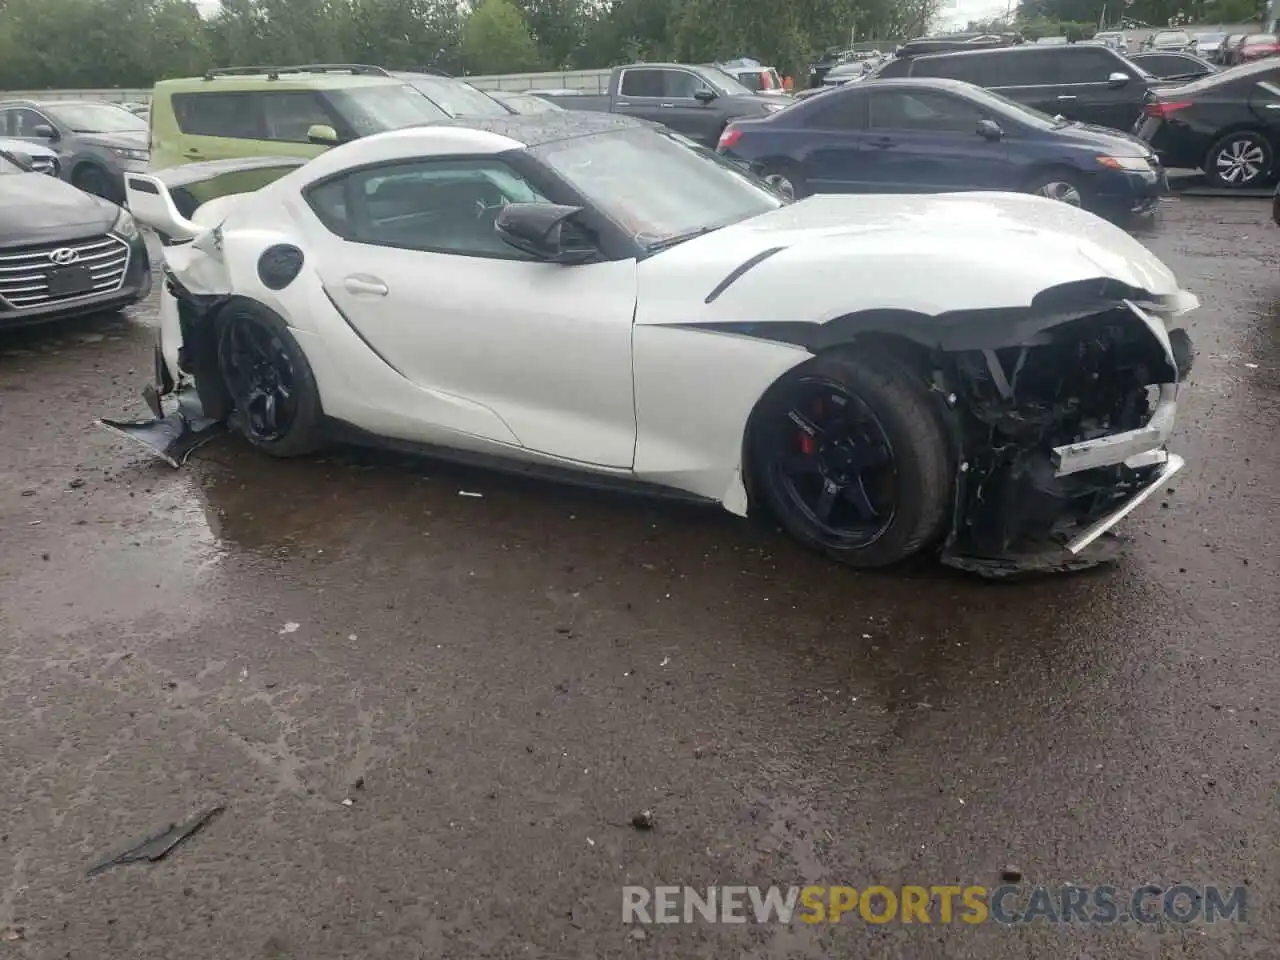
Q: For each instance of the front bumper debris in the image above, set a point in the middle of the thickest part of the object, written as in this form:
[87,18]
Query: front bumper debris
[178,429]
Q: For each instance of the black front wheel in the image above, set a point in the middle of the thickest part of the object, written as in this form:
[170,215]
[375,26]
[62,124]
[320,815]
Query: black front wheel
[785,179]
[850,454]
[93,179]
[273,391]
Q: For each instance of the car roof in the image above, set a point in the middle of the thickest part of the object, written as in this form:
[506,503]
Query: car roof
[241,82]
[1021,50]
[46,104]
[914,83]
[535,129]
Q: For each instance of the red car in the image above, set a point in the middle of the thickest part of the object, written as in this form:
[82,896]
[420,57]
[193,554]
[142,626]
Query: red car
[1256,46]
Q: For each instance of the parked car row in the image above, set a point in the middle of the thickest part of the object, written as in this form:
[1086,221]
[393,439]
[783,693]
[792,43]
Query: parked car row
[935,135]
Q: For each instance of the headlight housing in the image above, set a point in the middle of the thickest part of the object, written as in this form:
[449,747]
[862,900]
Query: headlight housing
[125,226]
[1141,164]
[127,154]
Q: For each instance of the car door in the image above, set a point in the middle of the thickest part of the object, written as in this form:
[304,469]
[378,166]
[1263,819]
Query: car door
[640,93]
[700,120]
[409,255]
[228,126]
[1264,103]
[924,141]
[21,123]
[829,149]
[1089,94]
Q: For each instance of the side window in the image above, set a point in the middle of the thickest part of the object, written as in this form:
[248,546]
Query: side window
[288,115]
[1031,69]
[439,206]
[968,68]
[329,202]
[1086,65]
[681,84]
[921,110]
[229,115]
[900,67]
[23,122]
[846,110]
[641,83]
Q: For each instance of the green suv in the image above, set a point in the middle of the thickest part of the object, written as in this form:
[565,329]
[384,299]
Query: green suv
[300,111]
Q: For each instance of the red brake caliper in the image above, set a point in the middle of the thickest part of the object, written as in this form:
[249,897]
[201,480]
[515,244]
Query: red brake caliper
[808,446]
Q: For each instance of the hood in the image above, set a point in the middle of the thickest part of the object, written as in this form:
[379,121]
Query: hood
[928,254]
[32,150]
[1116,141]
[125,139]
[36,208]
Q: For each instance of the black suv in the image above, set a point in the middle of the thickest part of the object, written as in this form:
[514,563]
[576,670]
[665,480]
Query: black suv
[1086,82]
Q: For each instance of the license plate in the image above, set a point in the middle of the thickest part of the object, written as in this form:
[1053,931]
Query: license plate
[70,281]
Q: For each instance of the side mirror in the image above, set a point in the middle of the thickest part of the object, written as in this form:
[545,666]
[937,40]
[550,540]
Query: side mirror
[45,132]
[989,130]
[704,95]
[322,134]
[544,231]
[1117,79]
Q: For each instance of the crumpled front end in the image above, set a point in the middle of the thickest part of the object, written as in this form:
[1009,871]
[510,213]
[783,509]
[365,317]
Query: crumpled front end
[1062,433]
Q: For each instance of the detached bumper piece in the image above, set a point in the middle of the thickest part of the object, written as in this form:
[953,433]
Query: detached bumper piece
[177,430]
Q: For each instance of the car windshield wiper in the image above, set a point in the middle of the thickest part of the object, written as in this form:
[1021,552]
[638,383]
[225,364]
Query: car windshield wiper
[679,238]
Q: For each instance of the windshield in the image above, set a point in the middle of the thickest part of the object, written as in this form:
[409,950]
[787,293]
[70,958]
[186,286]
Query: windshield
[1172,38]
[374,109]
[724,83]
[1260,38]
[1028,115]
[1209,81]
[456,98]
[658,187]
[97,118]
[1210,37]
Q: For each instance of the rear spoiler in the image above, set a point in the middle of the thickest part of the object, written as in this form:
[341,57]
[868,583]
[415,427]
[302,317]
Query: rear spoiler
[165,200]
[151,203]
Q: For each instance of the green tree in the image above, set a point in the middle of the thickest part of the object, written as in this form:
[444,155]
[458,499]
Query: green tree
[496,39]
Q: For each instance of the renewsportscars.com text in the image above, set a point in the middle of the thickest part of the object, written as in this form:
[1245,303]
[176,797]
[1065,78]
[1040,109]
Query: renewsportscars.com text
[937,904]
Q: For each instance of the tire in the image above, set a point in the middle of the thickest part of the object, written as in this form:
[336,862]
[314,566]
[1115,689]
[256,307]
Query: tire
[93,179]
[909,497]
[1058,184]
[1239,160]
[777,173]
[275,400]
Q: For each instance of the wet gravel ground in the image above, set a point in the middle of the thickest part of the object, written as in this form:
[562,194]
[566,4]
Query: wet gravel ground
[498,684]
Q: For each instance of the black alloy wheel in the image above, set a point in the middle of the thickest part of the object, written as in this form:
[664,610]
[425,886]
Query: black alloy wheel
[835,464]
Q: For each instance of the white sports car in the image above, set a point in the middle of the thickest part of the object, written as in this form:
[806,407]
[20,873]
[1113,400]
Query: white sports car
[593,298]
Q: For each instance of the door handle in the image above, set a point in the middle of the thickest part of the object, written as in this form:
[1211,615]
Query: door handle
[368,286]
[883,143]
[666,104]
[1067,96]
[1273,106]
[622,103]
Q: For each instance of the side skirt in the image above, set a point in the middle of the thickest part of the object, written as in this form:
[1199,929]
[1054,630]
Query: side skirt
[340,431]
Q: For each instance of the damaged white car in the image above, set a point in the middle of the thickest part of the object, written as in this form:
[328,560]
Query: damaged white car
[582,296]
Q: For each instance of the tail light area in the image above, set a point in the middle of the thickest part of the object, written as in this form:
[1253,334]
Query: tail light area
[728,138]
[1164,109]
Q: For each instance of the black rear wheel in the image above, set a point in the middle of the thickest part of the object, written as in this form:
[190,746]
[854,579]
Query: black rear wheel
[851,456]
[1239,161]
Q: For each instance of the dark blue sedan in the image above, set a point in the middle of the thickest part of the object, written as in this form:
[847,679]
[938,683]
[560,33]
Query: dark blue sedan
[933,136]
